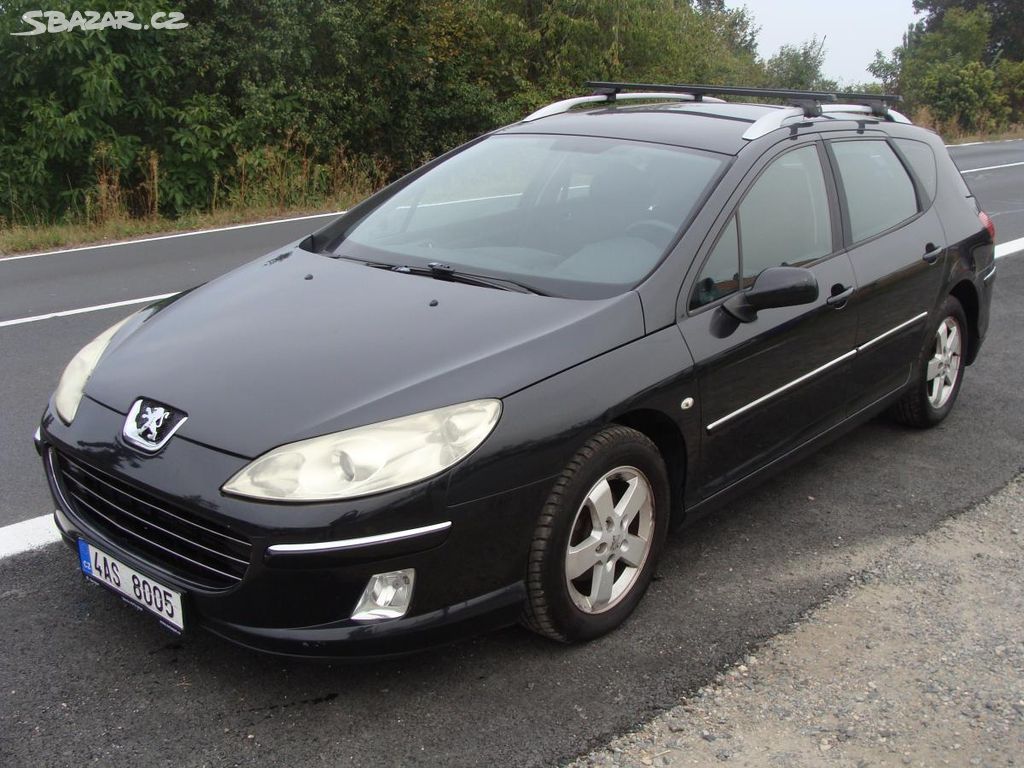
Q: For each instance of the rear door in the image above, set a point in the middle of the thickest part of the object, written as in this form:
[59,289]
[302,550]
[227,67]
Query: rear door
[897,247]
[769,385]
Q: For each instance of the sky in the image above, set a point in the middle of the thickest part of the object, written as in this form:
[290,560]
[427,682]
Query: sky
[853,30]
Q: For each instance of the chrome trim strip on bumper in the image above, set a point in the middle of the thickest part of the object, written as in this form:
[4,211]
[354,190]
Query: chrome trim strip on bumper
[365,541]
[891,331]
[774,393]
[991,274]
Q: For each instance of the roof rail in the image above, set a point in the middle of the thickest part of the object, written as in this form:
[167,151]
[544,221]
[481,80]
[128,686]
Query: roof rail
[565,105]
[865,109]
[780,117]
[773,120]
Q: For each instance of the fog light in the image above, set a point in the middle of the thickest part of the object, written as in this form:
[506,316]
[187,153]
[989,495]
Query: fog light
[387,596]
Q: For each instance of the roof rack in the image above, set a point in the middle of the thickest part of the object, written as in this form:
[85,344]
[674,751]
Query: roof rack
[810,100]
[804,103]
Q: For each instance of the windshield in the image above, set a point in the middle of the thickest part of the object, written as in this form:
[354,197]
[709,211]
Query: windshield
[571,216]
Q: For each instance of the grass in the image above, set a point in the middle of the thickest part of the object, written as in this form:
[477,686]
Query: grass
[28,238]
[1013,132]
[43,237]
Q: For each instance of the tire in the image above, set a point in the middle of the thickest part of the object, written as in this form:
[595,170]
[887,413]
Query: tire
[618,480]
[930,400]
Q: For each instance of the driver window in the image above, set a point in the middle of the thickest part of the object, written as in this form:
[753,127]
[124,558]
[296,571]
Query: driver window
[784,220]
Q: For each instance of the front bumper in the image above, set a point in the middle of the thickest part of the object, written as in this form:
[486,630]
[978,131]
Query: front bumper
[297,600]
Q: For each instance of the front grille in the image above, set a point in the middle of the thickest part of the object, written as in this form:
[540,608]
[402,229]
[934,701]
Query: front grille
[197,550]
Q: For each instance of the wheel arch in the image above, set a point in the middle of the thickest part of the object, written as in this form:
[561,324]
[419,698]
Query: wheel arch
[671,444]
[967,295]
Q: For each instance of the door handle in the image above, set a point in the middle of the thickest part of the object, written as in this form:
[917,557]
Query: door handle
[932,253]
[840,295]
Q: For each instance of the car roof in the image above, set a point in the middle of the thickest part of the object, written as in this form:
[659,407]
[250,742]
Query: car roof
[715,126]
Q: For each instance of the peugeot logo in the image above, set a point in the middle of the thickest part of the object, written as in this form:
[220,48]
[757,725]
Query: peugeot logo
[150,425]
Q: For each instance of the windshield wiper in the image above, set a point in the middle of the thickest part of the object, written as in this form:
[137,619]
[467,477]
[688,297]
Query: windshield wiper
[439,271]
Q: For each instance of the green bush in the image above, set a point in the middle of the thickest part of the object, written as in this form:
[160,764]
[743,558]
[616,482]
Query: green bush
[286,102]
[1010,84]
[964,96]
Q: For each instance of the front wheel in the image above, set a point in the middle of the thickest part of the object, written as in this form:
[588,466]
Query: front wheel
[598,537]
[939,371]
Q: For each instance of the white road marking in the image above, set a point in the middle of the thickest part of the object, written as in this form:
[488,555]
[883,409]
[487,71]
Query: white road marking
[1010,249]
[978,143]
[167,237]
[40,531]
[992,167]
[1002,250]
[83,310]
[28,535]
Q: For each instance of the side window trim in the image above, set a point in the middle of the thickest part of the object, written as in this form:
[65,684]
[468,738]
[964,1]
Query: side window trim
[835,212]
[731,223]
[844,205]
[924,199]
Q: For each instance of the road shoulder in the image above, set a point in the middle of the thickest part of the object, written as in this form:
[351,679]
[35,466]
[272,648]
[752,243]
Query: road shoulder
[919,662]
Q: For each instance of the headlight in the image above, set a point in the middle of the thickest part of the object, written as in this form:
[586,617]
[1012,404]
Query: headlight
[370,459]
[72,381]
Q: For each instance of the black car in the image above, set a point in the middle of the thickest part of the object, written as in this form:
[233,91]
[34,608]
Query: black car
[488,392]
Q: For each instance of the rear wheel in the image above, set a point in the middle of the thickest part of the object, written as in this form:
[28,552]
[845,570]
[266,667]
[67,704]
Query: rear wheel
[940,371]
[598,537]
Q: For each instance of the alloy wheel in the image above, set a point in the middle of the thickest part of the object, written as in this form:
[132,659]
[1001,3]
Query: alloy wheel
[610,540]
[944,366]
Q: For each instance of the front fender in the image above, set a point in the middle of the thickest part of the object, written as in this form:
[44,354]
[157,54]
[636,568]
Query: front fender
[542,426]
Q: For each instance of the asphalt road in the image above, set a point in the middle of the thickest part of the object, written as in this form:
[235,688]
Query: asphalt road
[32,355]
[1000,190]
[85,679]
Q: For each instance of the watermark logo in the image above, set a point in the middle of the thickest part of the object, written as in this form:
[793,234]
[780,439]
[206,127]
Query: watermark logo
[57,21]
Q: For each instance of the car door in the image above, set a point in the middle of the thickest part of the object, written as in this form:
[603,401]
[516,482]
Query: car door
[768,385]
[897,248]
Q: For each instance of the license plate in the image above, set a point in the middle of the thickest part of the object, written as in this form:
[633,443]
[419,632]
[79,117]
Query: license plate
[133,586]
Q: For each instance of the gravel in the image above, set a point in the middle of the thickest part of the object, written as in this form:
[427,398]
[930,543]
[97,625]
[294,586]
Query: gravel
[919,662]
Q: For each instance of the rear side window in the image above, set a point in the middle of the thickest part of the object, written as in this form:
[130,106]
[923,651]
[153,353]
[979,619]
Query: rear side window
[783,220]
[879,193]
[922,161]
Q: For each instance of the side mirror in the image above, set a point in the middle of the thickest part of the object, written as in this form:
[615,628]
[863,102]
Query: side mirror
[775,287]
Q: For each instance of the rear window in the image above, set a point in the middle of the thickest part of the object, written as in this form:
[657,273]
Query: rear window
[567,215]
[879,193]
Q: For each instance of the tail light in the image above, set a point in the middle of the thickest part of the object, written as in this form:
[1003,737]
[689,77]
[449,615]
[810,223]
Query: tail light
[986,222]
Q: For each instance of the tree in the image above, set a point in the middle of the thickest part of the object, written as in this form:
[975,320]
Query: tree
[942,66]
[1007,39]
[1010,83]
[799,66]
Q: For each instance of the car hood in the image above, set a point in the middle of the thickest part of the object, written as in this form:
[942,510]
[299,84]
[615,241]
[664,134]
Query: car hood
[300,345]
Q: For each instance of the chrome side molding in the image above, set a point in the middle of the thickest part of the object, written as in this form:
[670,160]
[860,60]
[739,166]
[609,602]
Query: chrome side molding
[811,374]
[780,390]
[891,331]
